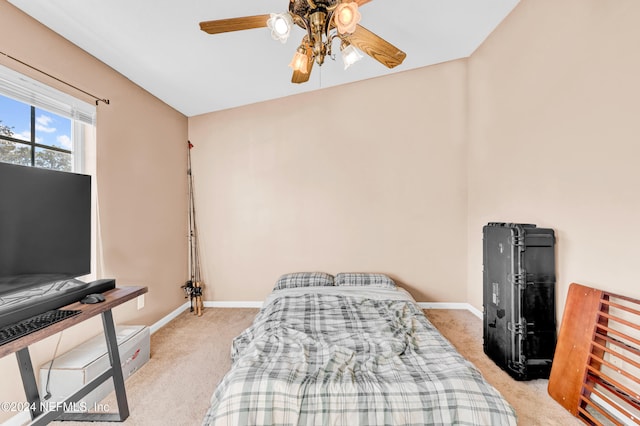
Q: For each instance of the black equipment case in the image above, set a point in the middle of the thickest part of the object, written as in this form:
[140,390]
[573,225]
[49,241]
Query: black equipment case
[519,324]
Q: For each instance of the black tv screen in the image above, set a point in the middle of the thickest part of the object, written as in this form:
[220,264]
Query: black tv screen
[45,226]
[45,242]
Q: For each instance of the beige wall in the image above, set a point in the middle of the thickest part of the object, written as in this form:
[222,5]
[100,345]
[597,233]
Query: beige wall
[141,150]
[539,126]
[366,177]
[543,134]
[554,106]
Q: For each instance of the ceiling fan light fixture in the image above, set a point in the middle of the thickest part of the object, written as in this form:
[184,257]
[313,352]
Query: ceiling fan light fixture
[350,54]
[346,17]
[280,25]
[323,21]
[300,61]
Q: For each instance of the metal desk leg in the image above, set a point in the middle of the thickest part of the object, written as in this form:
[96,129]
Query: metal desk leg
[114,357]
[33,396]
[29,381]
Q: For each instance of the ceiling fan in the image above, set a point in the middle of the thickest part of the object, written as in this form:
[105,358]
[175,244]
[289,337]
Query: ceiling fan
[324,21]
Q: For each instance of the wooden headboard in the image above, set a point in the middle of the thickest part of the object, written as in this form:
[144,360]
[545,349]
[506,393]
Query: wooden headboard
[596,366]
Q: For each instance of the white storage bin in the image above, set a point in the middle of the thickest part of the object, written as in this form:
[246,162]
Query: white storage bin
[80,365]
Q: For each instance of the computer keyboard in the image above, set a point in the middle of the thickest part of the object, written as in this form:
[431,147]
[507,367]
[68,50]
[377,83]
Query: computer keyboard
[15,331]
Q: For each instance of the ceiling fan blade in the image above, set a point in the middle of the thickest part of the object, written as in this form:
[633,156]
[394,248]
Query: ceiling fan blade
[300,77]
[376,47]
[234,24]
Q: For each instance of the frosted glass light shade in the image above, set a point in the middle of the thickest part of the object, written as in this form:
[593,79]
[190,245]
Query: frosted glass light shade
[280,25]
[299,62]
[350,56]
[346,17]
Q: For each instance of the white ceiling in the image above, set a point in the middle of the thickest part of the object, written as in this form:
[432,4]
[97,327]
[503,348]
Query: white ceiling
[158,44]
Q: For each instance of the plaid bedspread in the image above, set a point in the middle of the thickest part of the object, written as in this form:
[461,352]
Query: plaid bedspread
[329,357]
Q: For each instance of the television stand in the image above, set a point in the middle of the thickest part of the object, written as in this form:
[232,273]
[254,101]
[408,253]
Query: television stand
[20,347]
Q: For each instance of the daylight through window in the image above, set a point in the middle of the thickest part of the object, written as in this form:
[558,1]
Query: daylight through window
[32,136]
[41,126]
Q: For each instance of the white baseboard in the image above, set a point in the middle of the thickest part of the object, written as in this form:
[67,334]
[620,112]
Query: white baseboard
[448,305]
[167,318]
[240,304]
[423,305]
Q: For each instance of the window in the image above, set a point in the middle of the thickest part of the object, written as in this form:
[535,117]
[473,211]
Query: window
[42,127]
[31,136]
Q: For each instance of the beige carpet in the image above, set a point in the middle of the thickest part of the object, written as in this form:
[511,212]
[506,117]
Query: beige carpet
[531,400]
[190,355]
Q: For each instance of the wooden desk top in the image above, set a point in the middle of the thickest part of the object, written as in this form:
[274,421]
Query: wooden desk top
[113,298]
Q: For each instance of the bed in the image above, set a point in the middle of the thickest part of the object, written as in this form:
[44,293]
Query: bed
[354,350]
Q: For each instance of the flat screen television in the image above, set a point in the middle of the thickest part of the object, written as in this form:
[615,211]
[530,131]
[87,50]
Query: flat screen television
[45,241]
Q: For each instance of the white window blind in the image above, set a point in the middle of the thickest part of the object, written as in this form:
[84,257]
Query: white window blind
[30,91]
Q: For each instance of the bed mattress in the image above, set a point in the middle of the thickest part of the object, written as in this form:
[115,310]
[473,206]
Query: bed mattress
[350,356]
